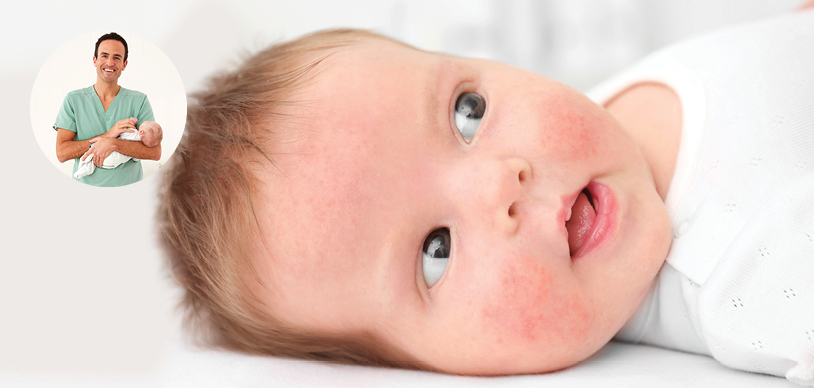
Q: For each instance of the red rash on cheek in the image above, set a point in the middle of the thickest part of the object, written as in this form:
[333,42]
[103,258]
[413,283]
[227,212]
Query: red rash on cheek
[582,146]
[573,137]
[531,306]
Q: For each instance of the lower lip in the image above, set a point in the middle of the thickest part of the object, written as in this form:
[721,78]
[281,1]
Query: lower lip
[604,224]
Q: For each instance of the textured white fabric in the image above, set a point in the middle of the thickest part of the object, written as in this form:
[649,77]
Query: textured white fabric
[739,280]
[86,167]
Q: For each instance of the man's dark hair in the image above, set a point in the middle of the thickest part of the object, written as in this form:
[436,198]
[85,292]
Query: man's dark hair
[111,36]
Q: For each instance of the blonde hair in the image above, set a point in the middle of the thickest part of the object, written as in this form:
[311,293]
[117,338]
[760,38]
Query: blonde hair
[206,213]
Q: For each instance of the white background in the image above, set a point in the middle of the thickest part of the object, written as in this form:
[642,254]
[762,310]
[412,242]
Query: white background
[83,296]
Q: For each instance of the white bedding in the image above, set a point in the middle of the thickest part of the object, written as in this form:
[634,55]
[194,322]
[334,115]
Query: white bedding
[617,365]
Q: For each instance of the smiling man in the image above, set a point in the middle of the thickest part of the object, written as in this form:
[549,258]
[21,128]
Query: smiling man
[91,119]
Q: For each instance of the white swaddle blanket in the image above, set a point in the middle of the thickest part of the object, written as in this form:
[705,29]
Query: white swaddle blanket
[86,167]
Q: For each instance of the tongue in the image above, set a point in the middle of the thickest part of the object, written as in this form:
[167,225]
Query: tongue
[582,218]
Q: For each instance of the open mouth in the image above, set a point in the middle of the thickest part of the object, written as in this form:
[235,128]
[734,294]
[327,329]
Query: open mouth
[581,221]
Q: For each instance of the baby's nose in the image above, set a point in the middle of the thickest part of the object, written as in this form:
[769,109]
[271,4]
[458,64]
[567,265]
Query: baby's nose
[495,188]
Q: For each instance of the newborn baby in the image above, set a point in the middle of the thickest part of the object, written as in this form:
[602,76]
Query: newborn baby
[348,197]
[149,133]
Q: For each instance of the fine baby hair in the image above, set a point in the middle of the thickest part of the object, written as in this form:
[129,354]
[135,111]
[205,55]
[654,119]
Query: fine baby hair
[208,224]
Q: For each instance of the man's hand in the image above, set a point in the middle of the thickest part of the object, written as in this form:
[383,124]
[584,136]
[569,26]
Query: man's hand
[101,149]
[125,125]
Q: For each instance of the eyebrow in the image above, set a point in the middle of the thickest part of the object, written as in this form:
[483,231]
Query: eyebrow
[106,53]
[432,86]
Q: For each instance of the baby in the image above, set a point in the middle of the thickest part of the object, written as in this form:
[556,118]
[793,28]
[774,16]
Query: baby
[347,197]
[149,133]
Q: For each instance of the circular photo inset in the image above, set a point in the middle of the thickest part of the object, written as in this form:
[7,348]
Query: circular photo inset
[108,108]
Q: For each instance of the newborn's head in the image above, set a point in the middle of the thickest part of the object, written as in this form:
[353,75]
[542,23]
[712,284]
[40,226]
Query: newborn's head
[150,133]
[452,214]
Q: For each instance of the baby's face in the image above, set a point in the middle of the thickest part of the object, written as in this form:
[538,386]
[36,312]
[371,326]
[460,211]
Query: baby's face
[149,133]
[376,171]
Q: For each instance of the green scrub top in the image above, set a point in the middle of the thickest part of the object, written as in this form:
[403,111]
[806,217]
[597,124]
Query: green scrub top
[82,112]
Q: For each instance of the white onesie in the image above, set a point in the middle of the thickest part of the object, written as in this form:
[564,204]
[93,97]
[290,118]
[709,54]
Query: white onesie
[86,167]
[738,283]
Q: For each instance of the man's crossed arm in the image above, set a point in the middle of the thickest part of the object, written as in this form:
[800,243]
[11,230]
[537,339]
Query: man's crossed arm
[67,148]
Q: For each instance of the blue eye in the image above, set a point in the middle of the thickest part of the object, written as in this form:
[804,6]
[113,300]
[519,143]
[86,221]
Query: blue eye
[434,259]
[469,110]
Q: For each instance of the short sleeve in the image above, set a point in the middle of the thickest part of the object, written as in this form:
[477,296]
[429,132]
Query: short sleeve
[66,118]
[145,112]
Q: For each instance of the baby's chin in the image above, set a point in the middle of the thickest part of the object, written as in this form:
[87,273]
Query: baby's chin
[526,362]
[513,367]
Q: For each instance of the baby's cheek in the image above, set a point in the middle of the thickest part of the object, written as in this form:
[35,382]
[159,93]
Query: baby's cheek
[578,135]
[532,306]
[580,142]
